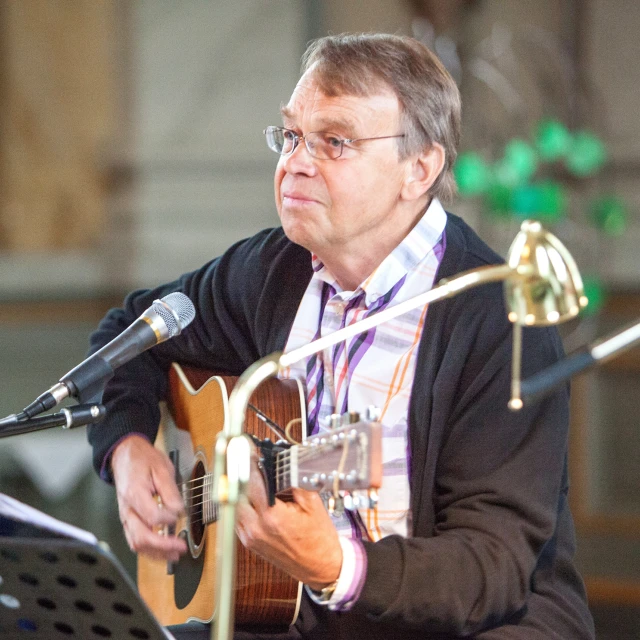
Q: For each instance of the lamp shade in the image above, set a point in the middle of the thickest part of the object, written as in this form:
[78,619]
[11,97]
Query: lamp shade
[549,288]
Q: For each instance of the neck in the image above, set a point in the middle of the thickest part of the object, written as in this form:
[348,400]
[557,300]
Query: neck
[353,269]
[351,266]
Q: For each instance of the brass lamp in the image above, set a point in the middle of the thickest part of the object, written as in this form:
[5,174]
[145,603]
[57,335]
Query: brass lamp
[542,287]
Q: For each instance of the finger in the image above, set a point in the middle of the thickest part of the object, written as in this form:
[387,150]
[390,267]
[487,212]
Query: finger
[142,499]
[246,515]
[247,524]
[137,468]
[256,490]
[142,539]
[145,544]
[164,484]
[308,501]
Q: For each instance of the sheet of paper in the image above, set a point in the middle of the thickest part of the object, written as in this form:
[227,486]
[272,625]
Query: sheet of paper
[16,510]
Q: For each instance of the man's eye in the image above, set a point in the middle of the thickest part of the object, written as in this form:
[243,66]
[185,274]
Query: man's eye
[288,135]
[332,141]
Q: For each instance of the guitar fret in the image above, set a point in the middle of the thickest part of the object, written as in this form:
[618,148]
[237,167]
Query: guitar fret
[283,479]
[293,466]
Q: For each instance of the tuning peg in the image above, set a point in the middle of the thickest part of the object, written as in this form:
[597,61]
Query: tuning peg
[373,413]
[335,506]
[349,502]
[373,498]
[350,417]
[360,499]
[334,421]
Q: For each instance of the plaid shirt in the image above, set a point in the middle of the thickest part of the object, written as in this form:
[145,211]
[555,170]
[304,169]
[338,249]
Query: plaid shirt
[374,368]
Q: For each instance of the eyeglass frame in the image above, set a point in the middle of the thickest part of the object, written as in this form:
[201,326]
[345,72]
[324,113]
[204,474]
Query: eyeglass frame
[297,138]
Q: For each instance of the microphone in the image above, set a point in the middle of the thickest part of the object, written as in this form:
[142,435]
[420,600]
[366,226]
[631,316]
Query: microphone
[164,319]
[600,351]
[68,418]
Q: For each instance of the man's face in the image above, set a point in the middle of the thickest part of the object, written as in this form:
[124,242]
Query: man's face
[341,205]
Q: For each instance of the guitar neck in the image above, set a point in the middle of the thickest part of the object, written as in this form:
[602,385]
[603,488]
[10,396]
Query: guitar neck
[346,459]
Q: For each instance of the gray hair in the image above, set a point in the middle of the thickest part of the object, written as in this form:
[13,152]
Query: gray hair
[362,64]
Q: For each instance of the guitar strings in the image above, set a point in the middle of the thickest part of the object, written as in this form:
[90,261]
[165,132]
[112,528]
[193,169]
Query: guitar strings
[282,468]
[202,484]
[207,482]
[282,472]
[278,430]
[304,455]
[283,465]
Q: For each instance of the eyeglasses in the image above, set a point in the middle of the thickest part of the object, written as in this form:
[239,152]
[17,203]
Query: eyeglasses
[325,146]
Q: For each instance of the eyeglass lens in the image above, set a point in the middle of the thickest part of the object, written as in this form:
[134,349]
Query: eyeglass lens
[319,145]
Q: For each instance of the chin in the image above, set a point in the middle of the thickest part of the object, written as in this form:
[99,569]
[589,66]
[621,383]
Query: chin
[298,233]
[295,234]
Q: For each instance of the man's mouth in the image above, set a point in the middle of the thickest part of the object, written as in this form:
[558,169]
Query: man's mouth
[294,197]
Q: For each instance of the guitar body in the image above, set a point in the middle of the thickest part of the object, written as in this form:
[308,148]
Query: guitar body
[197,410]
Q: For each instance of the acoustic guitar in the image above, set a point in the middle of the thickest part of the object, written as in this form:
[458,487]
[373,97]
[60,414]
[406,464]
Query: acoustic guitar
[346,461]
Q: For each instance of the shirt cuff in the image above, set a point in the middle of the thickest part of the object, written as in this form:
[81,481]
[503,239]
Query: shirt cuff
[352,575]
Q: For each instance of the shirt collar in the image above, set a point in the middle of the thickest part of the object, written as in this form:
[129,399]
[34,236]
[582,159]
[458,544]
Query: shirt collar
[413,249]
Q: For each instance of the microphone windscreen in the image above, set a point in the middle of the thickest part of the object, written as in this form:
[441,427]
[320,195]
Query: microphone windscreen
[176,310]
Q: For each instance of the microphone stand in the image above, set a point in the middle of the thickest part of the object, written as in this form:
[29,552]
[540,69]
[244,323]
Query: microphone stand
[602,350]
[68,418]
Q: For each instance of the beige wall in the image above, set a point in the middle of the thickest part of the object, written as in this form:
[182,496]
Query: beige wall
[58,114]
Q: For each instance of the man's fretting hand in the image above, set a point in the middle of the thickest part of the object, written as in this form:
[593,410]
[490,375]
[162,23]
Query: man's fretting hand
[297,537]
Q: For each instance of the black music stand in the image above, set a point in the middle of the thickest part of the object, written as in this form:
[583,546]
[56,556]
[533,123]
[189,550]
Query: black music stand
[56,588]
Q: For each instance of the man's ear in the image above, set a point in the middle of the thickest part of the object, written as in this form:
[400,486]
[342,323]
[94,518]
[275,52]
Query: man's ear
[422,171]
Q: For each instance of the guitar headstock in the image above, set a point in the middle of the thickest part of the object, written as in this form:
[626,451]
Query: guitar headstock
[343,461]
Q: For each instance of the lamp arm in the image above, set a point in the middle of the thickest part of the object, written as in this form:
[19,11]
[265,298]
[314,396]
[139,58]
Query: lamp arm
[445,289]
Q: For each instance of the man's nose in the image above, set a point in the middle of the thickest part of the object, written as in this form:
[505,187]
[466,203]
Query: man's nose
[300,160]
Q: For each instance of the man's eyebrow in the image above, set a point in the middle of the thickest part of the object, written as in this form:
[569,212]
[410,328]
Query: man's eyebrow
[334,125]
[337,125]
[287,114]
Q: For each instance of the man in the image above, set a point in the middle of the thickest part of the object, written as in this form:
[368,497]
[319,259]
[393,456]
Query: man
[473,535]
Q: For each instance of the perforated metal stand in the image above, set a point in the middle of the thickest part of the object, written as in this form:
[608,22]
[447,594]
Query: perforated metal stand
[53,589]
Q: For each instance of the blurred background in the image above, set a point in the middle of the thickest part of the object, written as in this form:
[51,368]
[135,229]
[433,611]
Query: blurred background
[131,151]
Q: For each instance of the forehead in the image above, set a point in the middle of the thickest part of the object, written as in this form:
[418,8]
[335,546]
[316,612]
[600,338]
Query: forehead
[310,109]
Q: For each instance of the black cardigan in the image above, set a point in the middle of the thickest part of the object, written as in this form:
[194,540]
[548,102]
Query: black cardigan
[491,553]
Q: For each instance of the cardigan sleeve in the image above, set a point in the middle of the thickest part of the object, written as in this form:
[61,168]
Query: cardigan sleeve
[237,321]
[497,483]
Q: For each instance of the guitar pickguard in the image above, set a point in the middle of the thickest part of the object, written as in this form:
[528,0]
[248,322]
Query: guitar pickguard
[171,438]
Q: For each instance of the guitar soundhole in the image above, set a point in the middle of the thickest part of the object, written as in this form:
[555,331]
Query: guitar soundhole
[196,503]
